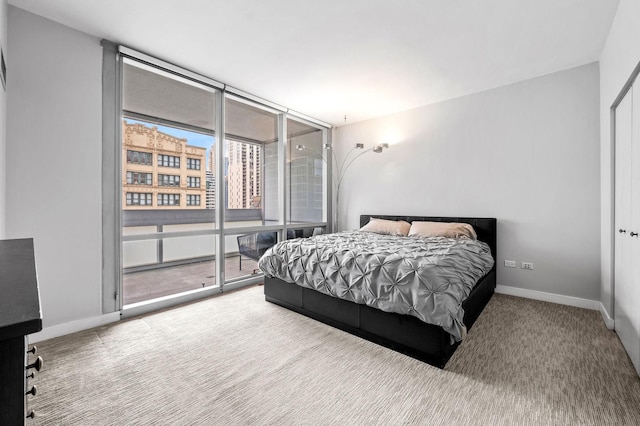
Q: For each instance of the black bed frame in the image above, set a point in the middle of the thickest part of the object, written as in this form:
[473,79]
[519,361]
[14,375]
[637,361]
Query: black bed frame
[402,333]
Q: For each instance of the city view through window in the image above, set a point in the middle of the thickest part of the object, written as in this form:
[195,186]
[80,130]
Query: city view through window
[169,178]
[166,168]
[185,169]
[172,169]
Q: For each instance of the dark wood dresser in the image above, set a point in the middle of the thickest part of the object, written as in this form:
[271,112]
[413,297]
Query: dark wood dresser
[19,316]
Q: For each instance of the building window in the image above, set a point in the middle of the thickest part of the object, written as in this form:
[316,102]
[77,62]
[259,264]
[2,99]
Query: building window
[137,157]
[193,200]
[135,178]
[193,164]
[168,161]
[168,199]
[139,199]
[168,180]
[193,182]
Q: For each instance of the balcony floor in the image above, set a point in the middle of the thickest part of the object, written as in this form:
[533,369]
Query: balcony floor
[147,285]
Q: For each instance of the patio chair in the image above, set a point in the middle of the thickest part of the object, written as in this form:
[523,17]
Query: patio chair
[253,246]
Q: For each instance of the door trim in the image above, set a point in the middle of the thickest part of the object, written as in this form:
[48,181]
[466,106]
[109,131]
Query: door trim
[612,231]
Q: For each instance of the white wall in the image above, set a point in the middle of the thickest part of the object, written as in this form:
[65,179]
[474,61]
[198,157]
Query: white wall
[619,58]
[527,154]
[54,161]
[3,120]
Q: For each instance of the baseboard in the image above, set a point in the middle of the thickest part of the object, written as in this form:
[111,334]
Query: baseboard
[73,327]
[549,297]
[608,321]
[87,323]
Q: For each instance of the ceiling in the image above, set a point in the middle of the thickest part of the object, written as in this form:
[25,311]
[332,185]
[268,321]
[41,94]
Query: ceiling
[359,58]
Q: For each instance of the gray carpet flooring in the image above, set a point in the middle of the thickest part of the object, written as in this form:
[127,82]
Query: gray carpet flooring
[238,360]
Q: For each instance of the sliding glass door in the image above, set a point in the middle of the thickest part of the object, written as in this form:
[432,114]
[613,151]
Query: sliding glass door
[209,180]
[168,220]
[252,192]
[307,174]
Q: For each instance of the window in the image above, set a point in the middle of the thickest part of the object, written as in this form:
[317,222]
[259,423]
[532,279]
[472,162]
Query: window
[136,178]
[168,161]
[193,182]
[168,199]
[251,163]
[137,157]
[139,199]
[188,176]
[193,164]
[307,185]
[168,180]
[172,118]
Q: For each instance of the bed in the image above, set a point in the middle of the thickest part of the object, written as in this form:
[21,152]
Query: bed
[404,333]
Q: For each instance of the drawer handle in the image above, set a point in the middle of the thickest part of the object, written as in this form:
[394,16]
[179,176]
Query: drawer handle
[37,364]
[33,350]
[31,414]
[32,391]
[622,231]
[633,234]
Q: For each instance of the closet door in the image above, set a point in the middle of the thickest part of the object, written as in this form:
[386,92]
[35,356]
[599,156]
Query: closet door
[627,220]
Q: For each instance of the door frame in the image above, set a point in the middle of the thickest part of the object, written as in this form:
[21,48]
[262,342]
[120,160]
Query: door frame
[612,231]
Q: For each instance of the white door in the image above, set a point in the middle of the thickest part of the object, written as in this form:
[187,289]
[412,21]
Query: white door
[627,222]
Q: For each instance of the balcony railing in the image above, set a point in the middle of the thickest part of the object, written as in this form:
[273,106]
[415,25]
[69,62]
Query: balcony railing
[167,252]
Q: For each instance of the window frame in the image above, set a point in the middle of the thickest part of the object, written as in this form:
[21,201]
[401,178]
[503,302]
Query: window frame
[130,196]
[172,161]
[163,182]
[148,178]
[168,199]
[131,153]
[114,56]
[191,198]
[193,163]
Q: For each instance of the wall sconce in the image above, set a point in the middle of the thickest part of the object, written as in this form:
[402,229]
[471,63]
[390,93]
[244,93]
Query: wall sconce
[341,170]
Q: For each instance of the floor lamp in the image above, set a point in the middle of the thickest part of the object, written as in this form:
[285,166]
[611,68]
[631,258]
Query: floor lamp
[341,167]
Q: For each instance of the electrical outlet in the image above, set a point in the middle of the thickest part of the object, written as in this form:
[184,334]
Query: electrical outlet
[510,263]
[527,265]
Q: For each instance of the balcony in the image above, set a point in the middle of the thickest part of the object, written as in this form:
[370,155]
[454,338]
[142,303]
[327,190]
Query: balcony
[164,281]
[167,252]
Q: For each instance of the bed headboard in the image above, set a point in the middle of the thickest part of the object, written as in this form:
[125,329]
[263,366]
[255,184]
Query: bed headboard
[485,227]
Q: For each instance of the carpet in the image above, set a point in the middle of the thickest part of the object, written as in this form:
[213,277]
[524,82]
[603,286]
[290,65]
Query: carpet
[235,359]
